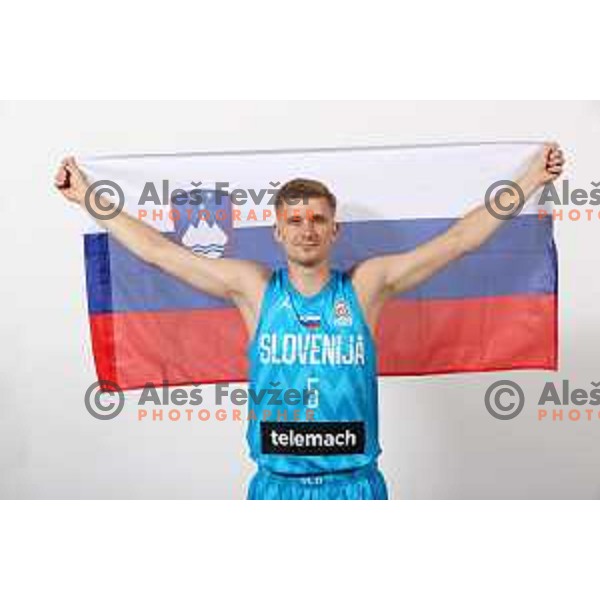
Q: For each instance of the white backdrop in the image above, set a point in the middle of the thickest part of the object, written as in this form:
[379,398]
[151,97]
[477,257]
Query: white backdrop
[438,439]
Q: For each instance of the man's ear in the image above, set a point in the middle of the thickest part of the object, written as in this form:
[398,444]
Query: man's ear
[277,233]
[336,229]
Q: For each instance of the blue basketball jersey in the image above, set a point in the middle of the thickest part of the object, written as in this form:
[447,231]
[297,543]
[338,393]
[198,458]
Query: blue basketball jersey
[313,380]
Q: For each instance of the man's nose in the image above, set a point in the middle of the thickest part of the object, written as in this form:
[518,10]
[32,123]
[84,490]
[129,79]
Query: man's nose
[308,227]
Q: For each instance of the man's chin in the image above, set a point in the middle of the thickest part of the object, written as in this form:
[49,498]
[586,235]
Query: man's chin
[308,261]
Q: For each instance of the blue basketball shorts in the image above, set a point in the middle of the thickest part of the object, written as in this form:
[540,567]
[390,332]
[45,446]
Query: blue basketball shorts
[366,483]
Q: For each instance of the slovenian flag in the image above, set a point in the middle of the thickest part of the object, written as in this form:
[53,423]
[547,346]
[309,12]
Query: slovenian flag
[494,309]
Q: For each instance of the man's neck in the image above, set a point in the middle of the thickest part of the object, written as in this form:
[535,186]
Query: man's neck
[309,281]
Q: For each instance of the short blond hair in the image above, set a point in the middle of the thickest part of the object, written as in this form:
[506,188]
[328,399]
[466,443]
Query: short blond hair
[304,189]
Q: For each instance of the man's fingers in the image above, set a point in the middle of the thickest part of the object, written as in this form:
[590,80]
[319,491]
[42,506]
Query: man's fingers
[70,164]
[60,177]
[558,158]
[550,149]
[555,159]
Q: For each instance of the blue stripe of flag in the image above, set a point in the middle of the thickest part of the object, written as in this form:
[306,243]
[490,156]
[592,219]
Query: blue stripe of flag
[520,259]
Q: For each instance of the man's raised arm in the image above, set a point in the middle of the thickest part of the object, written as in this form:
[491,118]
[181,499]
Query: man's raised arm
[378,278]
[237,280]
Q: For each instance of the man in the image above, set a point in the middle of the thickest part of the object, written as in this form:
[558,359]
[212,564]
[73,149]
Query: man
[311,327]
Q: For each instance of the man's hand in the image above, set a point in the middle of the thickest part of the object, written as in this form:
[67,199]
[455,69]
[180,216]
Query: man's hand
[378,278]
[70,181]
[243,282]
[546,167]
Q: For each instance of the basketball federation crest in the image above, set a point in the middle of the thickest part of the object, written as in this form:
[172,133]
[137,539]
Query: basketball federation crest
[342,314]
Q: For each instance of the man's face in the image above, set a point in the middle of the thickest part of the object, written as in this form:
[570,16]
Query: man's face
[306,230]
